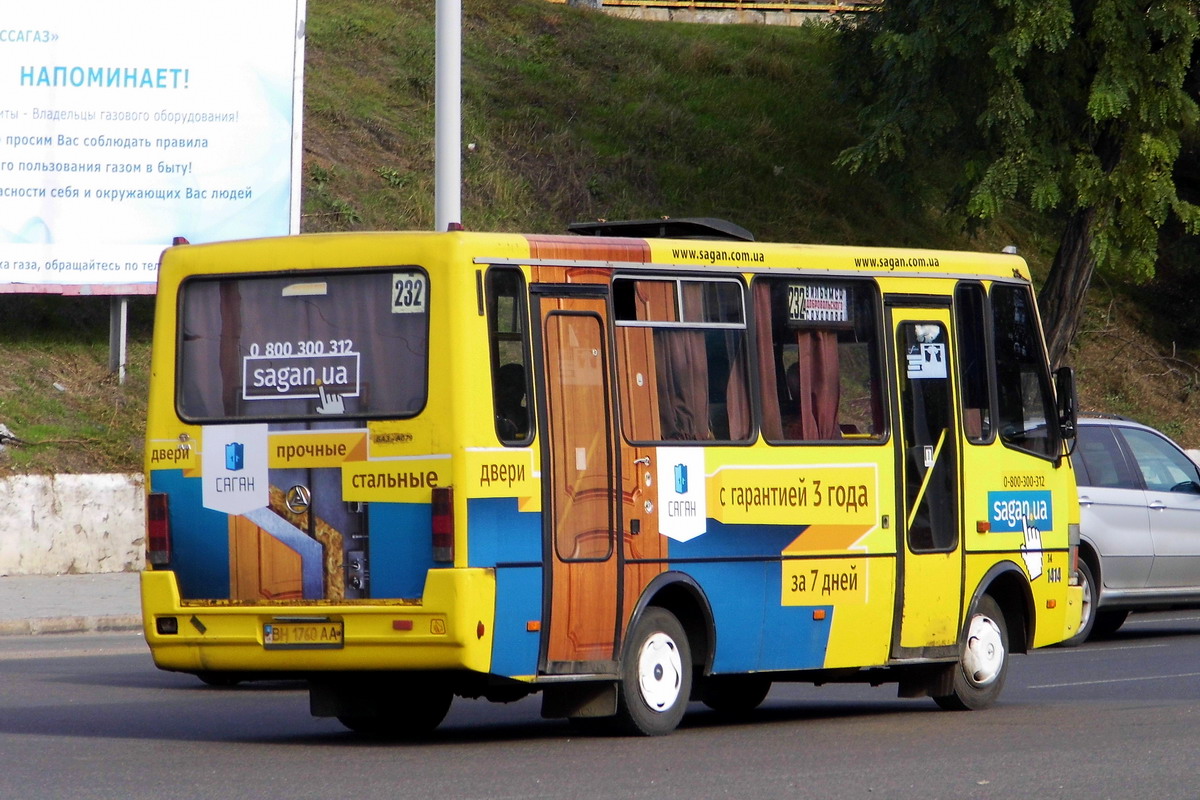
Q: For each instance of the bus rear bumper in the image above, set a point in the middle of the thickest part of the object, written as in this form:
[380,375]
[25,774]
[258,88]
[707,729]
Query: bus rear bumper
[451,628]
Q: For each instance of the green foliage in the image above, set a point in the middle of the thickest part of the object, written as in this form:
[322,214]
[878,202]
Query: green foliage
[319,175]
[577,115]
[1077,105]
[391,177]
[56,393]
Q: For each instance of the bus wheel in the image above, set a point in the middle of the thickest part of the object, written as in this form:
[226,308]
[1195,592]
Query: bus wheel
[1091,593]
[982,662]
[415,714]
[734,694]
[656,676]
[222,680]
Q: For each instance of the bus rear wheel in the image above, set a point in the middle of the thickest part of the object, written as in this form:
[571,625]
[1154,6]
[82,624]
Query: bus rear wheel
[380,709]
[734,694]
[982,661]
[656,676]
[414,716]
[221,680]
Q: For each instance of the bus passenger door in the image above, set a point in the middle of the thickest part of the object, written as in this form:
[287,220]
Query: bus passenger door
[580,480]
[929,599]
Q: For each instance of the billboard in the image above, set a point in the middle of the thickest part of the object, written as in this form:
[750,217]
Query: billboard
[127,123]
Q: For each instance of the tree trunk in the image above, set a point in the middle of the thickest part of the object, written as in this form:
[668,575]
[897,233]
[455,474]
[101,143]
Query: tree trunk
[1063,297]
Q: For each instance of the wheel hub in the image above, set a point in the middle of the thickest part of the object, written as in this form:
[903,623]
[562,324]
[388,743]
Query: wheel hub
[660,672]
[984,657]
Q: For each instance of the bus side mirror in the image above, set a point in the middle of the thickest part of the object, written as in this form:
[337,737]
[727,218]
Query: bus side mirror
[1068,403]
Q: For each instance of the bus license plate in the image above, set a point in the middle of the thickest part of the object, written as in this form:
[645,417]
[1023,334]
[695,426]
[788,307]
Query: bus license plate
[323,635]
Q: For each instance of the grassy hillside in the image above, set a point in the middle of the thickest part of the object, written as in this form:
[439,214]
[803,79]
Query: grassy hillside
[568,115]
[575,115]
[56,392]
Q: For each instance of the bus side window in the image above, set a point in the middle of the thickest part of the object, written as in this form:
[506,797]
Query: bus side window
[682,356]
[818,360]
[508,343]
[970,309]
[512,415]
[1026,411]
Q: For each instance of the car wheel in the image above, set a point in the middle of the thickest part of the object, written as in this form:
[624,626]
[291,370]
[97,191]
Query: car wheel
[1107,622]
[656,676]
[1091,597]
[982,662]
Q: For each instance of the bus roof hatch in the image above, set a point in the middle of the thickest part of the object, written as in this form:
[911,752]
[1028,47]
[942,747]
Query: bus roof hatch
[665,228]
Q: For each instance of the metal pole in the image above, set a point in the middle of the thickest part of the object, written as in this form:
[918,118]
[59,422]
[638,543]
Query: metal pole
[447,189]
[118,329]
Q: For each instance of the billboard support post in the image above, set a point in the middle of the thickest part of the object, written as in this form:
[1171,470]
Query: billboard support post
[118,329]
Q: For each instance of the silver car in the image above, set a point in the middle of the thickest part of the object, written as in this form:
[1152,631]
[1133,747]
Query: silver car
[1139,497]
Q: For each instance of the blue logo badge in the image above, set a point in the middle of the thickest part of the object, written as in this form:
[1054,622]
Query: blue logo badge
[235,456]
[681,485]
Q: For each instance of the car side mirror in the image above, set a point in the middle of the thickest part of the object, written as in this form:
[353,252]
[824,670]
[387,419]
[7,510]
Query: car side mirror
[1068,403]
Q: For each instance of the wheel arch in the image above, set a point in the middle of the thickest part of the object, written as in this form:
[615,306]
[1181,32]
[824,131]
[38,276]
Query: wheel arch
[680,594]
[1091,554]
[1007,585]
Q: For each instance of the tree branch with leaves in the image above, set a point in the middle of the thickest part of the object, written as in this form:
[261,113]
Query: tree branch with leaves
[1075,109]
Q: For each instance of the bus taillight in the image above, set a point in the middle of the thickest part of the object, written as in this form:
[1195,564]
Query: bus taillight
[158,529]
[443,525]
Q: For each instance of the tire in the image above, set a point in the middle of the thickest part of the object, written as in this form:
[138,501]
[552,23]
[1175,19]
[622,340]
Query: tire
[983,660]
[656,676]
[1107,623]
[221,680]
[734,694]
[1091,598]
[409,717]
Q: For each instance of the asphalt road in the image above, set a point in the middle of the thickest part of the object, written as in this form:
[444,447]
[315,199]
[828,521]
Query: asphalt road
[90,717]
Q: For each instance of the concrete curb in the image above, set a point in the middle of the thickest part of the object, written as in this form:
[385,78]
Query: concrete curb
[105,624]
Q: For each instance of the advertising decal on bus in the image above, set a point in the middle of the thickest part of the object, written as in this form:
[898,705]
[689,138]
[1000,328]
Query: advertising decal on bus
[234,465]
[682,513]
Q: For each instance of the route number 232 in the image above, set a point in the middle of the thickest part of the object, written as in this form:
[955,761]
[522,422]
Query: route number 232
[408,293]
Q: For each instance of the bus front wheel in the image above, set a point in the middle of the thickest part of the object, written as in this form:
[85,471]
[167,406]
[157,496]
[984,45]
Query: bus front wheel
[1088,614]
[656,676]
[982,661]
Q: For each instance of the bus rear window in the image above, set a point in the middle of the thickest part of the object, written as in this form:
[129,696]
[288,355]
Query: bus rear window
[304,346]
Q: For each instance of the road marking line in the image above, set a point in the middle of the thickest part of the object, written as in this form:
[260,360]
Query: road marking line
[1117,680]
[1117,647]
[1094,649]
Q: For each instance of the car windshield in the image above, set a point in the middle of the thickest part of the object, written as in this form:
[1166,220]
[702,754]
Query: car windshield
[1164,468]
